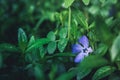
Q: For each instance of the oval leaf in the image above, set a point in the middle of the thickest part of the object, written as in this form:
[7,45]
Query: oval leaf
[63,33]
[115,48]
[103,72]
[68,3]
[22,39]
[62,44]
[38,43]
[86,2]
[51,36]
[51,47]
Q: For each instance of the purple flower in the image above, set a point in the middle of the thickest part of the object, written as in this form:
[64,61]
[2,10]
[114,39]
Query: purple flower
[82,48]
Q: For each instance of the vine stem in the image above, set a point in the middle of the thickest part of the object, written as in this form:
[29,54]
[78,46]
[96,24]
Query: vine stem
[69,22]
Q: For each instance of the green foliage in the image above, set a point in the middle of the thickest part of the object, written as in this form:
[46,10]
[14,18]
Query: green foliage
[51,47]
[115,50]
[62,44]
[51,36]
[103,72]
[86,2]
[38,43]
[68,3]
[42,47]
[22,39]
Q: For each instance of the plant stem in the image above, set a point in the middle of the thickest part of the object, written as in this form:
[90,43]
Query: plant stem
[69,22]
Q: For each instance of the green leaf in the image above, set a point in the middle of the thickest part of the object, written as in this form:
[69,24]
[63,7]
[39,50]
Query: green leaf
[115,48]
[22,39]
[68,3]
[38,43]
[103,72]
[102,49]
[62,44]
[38,72]
[61,55]
[81,19]
[86,2]
[51,36]
[102,1]
[53,72]
[82,72]
[51,47]
[31,41]
[8,47]
[67,76]
[43,51]
[63,33]
[89,63]
[93,61]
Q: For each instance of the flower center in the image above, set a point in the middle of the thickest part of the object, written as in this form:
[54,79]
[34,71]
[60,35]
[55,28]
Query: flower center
[85,50]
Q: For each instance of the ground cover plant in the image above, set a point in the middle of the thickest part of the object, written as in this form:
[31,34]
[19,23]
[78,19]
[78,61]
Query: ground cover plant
[59,40]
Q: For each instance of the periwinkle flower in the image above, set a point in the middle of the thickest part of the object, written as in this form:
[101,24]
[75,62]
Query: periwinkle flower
[82,48]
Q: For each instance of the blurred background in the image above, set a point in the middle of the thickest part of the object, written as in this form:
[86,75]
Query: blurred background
[38,17]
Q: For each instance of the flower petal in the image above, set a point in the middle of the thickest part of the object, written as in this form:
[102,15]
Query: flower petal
[90,50]
[77,48]
[84,41]
[79,57]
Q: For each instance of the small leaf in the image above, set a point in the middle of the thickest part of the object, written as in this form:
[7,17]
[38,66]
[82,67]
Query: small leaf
[53,72]
[67,76]
[92,61]
[31,41]
[8,47]
[43,51]
[102,49]
[61,55]
[51,36]
[115,48]
[62,44]
[82,72]
[51,47]
[103,72]
[22,39]
[80,17]
[102,1]
[68,3]
[38,72]
[38,43]
[86,2]
[63,33]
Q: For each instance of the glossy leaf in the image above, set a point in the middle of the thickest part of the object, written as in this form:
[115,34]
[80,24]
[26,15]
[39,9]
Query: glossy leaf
[82,72]
[22,39]
[68,3]
[67,76]
[31,41]
[102,49]
[80,17]
[103,72]
[86,2]
[38,43]
[115,48]
[51,47]
[62,44]
[38,72]
[53,72]
[95,60]
[62,55]
[8,47]
[63,33]
[43,51]
[51,36]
